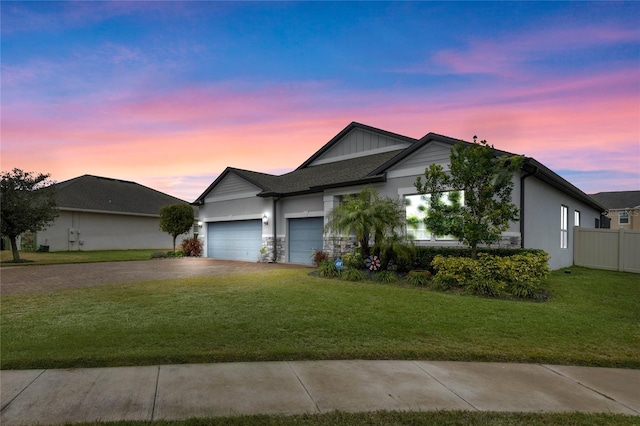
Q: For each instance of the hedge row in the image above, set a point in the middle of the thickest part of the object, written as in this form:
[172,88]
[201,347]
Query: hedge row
[424,256]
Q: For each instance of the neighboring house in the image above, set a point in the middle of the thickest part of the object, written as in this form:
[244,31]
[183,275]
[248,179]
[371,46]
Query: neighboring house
[245,211]
[623,208]
[98,213]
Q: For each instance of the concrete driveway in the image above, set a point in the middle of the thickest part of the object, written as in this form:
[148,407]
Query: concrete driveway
[47,278]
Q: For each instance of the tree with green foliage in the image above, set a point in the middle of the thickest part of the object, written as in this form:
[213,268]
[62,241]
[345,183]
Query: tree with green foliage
[370,217]
[485,180]
[176,219]
[27,204]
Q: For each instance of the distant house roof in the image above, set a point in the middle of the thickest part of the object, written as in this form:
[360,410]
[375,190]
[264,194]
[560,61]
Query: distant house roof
[308,178]
[618,199]
[106,195]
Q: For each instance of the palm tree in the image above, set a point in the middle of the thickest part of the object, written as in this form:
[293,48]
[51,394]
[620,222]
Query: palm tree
[367,215]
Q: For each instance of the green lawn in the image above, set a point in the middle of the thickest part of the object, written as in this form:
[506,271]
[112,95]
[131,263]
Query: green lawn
[385,418]
[593,318]
[58,257]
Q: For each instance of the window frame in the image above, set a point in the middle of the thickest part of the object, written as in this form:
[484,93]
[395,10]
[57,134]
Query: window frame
[564,227]
[626,215]
[431,237]
[576,218]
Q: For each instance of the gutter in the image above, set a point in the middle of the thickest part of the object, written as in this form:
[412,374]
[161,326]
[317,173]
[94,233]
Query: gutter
[275,227]
[522,186]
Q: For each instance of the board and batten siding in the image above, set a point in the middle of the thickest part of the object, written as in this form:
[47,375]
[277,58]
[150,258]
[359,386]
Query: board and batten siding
[414,165]
[232,187]
[358,143]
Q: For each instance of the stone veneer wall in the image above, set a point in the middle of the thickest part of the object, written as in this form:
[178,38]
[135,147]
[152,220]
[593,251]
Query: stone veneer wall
[267,242]
[338,246]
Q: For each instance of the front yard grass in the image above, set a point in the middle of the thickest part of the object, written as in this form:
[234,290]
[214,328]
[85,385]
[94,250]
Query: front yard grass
[338,418]
[592,319]
[59,257]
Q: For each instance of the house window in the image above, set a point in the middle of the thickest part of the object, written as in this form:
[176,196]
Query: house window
[576,218]
[623,218]
[564,227]
[417,207]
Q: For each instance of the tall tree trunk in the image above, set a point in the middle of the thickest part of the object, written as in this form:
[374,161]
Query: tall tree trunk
[474,250]
[14,248]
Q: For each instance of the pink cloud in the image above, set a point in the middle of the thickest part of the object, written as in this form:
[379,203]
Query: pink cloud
[164,139]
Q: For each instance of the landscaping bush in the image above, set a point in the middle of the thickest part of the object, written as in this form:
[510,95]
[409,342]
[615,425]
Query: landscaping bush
[353,275]
[318,257]
[191,247]
[353,260]
[419,278]
[327,269]
[177,253]
[424,256]
[519,275]
[384,277]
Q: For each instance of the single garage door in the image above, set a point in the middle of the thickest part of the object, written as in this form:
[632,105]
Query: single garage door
[239,240]
[305,236]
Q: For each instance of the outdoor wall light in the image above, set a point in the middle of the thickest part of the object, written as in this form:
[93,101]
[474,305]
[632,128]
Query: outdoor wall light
[265,219]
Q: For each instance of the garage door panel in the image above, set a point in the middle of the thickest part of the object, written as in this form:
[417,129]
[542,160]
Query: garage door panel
[305,236]
[239,240]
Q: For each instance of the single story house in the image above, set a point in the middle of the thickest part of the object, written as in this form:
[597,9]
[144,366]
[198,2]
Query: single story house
[623,208]
[246,213]
[99,213]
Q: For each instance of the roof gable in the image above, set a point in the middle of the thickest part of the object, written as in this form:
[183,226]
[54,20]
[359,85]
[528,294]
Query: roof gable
[358,140]
[100,194]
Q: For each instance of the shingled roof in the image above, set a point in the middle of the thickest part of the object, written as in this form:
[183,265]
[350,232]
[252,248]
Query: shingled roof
[308,178]
[101,194]
[618,199]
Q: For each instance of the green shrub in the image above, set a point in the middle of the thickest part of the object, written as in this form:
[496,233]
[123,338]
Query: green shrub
[177,253]
[353,275]
[384,277]
[327,269]
[353,260]
[519,275]
[419,278]
[486,287]
[424,256]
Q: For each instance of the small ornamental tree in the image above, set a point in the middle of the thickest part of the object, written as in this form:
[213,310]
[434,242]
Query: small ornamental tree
[176,219]
[27,204]
[486,180]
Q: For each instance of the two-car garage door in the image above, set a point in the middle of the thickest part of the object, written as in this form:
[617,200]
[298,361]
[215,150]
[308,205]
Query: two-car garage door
[242,240]
[238,240]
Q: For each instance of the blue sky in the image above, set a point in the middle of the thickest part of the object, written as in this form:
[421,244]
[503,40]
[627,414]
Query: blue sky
[168,94]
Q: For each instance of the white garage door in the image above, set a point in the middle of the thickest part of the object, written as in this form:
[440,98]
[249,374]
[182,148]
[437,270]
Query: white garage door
[239,240]
[305,236]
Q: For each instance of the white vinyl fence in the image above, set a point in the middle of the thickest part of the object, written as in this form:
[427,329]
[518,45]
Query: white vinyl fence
[612,249]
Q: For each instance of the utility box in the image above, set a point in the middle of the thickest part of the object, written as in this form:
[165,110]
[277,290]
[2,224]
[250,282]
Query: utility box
[73,235]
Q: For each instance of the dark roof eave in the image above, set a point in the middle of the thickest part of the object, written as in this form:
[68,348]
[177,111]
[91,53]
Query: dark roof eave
[320,188]
[551,178]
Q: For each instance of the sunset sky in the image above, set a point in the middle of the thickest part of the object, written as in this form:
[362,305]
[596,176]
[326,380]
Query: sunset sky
[168,94]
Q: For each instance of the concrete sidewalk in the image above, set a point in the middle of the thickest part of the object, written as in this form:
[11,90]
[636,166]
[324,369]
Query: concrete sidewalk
[295,387]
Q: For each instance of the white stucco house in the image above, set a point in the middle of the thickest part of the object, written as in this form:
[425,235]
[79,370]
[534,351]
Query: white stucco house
[243,211]
[99,213]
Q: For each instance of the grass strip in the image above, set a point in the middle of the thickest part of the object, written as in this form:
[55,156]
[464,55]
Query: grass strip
[390,418]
